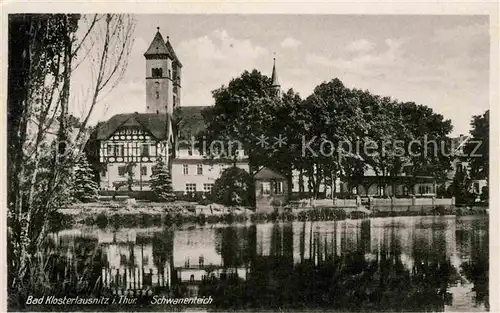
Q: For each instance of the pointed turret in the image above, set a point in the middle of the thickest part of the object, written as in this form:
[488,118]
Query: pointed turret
[275,83]
[157,47]
[274,77]
[172,52]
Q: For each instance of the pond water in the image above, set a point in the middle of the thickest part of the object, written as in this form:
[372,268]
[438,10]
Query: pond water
[431,263]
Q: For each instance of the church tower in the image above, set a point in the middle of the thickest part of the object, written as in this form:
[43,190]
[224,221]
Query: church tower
[275,84]
[163,76]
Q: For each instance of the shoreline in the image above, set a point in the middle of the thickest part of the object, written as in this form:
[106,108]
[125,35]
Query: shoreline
[120,215]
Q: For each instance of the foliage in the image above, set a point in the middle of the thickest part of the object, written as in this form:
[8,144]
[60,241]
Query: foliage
[233,187]
[460,188]
[328,135]
[477,149]
[129,168]
[91,150]
[161,182]
[44,138]
[85,188]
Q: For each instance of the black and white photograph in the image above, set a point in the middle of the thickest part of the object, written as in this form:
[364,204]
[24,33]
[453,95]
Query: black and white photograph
[214,162]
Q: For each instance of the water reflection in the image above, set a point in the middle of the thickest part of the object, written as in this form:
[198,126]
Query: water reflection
[407,263]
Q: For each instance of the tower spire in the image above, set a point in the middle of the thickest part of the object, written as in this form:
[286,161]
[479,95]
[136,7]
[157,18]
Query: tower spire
[274,76]
[275,83]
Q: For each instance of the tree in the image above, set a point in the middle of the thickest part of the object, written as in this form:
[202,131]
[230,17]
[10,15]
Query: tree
[431,156]
[130,174]
[161,182]
[477,149]
[233,187]
[243,110]
[460,188]
[91,151]
[44,53]
[85,188]
[333,121]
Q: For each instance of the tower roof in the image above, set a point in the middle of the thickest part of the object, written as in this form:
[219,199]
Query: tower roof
[158,46]
[274,77]
[172,52]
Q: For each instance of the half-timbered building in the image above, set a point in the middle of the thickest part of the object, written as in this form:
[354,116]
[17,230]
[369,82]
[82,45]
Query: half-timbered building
[132,143]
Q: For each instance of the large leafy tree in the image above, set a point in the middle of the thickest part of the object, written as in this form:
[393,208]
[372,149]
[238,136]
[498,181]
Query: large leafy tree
[161,182]
[243,110]
[477,150]
[333,120]
[430,154]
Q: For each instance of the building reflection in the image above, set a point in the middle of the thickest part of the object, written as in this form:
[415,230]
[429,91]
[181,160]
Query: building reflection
[263,265]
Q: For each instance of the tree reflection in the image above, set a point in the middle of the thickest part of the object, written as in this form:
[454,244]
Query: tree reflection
[476,269]
[345,281]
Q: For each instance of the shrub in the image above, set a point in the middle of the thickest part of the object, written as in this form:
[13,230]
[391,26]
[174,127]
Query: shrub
[233,187]
[101,220]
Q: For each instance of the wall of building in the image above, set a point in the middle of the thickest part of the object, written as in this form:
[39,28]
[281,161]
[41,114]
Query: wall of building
[111,175]
[164,102]
[210,173]
[211,170]
[267,202]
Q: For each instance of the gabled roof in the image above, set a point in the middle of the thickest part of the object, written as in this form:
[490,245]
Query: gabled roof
[158,47]
[266,173]
[189,121]
[155,123]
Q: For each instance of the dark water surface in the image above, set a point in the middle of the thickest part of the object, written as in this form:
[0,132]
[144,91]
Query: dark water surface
[431,263]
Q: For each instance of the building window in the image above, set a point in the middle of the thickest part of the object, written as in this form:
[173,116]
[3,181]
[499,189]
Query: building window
[199,169]
[207,187]
[380,190]
[405,190]
[278,187]
[157,95]
[157,72]
[354,190]
[144,171]
[122,170]
[119,150]
[476,187]
[460,168]
[103,172]
[190,187]
[145,149]
[109,149]
[266,188]
[185,169]
[424,189]
[190,150]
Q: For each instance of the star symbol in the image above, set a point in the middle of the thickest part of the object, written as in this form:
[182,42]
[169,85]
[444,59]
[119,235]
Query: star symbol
[280,140]
[262,141]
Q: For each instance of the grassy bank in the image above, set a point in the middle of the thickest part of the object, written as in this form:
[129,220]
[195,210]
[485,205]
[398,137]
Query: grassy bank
[117,214]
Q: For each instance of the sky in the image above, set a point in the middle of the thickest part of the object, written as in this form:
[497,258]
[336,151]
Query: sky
[439,61]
